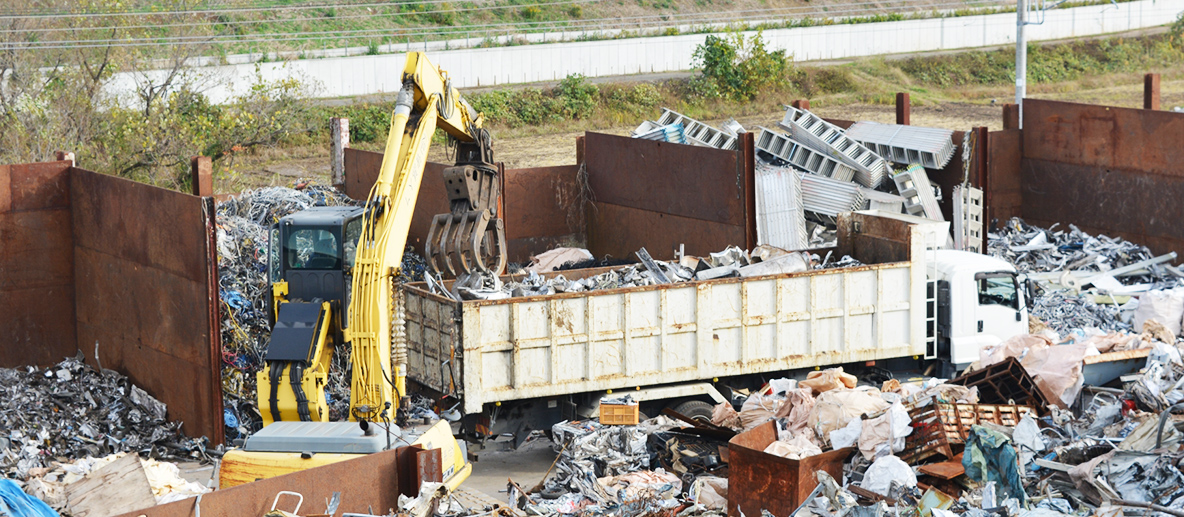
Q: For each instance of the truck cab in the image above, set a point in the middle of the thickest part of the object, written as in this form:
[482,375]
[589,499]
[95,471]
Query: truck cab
[980,302]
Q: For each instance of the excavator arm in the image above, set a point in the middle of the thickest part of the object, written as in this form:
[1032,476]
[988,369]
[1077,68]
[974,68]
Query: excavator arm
[315,252]
[471,234]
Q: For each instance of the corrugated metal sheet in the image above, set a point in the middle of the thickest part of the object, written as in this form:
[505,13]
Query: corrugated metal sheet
[829,198]
[928,146]
[780,216]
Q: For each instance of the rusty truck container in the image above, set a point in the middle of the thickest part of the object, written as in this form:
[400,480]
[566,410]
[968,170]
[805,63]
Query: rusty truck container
[520,348]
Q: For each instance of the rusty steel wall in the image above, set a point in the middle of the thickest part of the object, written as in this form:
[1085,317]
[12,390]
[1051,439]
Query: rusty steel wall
[36,265]
[659,195]
[1115,171]
[146,293]
[1004,196]
[543,210]
[541,205]
[368,484]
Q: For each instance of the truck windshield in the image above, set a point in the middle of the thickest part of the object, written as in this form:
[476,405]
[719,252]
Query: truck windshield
[997,289]
[312,248]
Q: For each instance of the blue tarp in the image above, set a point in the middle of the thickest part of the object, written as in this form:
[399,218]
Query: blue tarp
[16,503]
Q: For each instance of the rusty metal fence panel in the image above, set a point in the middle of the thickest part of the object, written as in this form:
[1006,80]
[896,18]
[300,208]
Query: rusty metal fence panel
[1109,170]
[36,264]
[146,292]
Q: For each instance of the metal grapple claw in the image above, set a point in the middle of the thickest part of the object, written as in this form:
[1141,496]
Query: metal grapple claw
[472,238]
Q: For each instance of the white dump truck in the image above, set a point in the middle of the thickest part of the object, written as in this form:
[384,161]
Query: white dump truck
[524,363]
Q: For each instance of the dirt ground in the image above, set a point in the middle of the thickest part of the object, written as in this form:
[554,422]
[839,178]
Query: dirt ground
[285,166]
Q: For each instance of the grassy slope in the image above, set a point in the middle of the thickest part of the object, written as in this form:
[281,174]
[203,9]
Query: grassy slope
[469,19]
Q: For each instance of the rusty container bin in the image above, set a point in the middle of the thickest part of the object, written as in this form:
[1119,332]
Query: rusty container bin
[758,480]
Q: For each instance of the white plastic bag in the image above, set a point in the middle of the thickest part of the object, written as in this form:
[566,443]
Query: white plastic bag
[884,471]
[1164,305]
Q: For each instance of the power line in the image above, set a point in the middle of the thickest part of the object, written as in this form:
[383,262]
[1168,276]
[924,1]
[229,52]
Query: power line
[295,20]
[337,5]
[603,23]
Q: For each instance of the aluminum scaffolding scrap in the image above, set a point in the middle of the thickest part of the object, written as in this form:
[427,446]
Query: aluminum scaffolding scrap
[931,147]
[828,198]
[968,219]
[800,156]
[824,137]
[780,216]
[913,185]
[699,133]
[668,133]
[882,201]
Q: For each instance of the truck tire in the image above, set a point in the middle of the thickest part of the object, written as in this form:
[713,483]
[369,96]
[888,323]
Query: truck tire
[696,409]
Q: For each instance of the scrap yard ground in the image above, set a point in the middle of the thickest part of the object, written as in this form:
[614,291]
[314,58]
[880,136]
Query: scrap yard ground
[761,287]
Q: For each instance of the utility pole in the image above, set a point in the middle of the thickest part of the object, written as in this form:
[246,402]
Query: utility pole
[1021,57]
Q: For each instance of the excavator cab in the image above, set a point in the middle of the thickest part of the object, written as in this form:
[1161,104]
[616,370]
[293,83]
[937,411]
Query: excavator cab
[311,255]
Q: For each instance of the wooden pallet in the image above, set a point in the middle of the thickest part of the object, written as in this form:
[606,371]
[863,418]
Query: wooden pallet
[941,429]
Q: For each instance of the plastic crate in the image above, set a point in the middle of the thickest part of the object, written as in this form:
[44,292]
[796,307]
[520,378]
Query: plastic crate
[619,414]
[941,429]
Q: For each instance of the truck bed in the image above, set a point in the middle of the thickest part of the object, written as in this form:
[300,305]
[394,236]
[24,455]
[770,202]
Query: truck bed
[528,347]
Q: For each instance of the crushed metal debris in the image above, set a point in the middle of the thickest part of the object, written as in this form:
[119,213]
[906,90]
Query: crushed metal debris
[69,411]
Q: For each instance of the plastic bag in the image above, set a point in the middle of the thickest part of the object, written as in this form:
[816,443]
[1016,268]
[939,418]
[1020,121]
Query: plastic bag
[829,379]
[884,471]
[836,408]
[1165,306]
[795,449]
[758,409]
[16,503]
[726,416]
[885,434]
[847,435]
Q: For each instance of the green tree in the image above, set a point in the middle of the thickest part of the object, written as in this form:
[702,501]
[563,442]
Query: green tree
[737,68]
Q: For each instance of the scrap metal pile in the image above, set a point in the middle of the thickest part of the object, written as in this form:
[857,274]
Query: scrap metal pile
[809,171]
[732,262]
[1085,281]
[71,411]
[934,447]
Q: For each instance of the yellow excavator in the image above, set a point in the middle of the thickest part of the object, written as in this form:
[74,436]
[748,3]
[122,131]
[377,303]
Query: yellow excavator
[316,253]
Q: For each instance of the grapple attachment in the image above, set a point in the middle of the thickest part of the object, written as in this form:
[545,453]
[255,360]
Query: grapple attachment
[472,238]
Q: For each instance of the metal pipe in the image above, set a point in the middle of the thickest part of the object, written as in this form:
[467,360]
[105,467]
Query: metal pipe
[1163,418]
[1021,57]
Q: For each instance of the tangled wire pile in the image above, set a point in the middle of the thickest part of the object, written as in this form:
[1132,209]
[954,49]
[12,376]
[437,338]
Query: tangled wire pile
[70,411]
[243,287]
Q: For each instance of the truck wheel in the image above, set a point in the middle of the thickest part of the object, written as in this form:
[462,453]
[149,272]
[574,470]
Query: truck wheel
[696,409]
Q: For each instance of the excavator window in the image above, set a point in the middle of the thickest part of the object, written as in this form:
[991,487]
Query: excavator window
[311,248]
[353,232]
